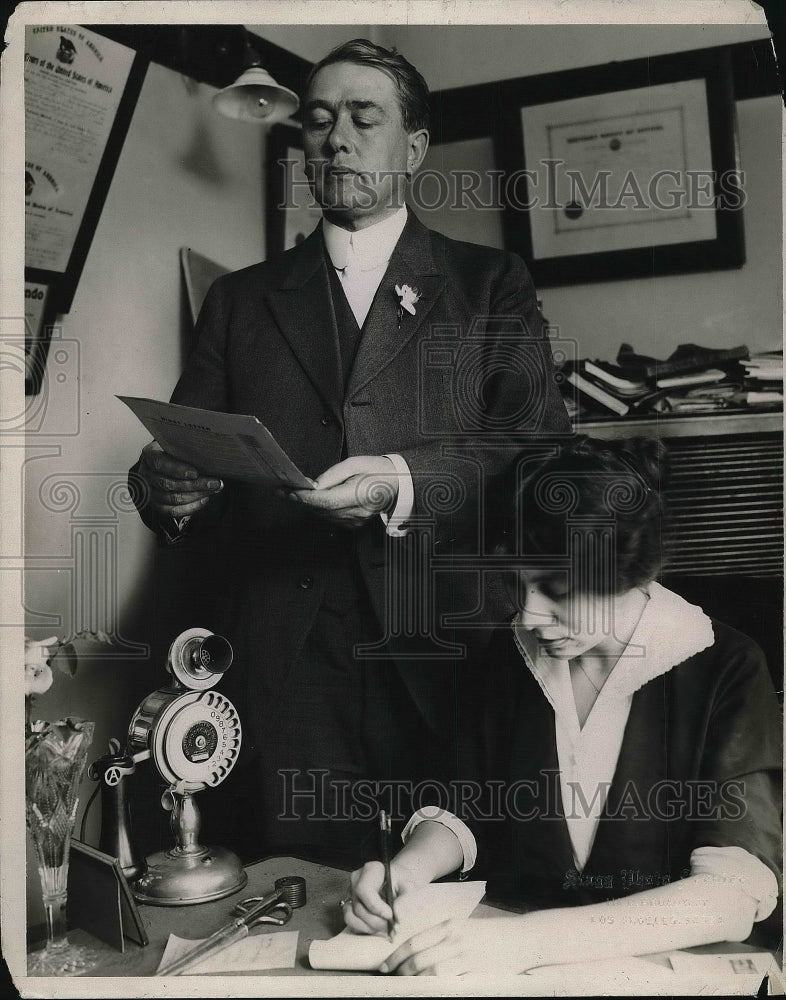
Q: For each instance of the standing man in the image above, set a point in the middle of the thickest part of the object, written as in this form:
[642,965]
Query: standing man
[401,371]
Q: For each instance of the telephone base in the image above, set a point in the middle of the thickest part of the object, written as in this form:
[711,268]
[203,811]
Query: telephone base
[173,878]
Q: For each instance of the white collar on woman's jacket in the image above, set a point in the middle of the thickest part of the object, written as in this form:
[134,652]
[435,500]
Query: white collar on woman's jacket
[669,632]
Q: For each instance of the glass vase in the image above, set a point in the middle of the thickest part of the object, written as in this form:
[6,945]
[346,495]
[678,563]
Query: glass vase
[55,759]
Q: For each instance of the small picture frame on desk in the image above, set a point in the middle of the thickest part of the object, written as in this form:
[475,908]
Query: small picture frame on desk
[99,898]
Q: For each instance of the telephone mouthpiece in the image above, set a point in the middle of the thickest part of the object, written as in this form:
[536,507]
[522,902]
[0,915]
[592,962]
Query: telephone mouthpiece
[214,654]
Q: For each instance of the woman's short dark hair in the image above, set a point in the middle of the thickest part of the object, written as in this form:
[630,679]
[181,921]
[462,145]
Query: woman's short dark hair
[591,488]
[412,88]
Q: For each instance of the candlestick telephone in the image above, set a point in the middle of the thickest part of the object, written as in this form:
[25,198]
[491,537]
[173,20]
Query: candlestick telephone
[192,734]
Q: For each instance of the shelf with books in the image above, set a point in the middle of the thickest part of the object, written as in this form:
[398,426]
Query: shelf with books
[693,380]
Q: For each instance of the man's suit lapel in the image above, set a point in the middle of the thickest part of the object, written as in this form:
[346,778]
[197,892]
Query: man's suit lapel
[303,308]
[412,264]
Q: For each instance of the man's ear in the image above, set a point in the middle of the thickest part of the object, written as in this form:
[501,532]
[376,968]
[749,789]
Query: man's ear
[416,151]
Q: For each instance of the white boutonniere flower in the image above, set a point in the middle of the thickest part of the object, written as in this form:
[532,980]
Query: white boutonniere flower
[407,299]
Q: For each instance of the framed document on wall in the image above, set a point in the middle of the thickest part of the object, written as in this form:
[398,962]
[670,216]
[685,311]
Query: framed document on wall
[625,170]
[80,93]
[292,211]
[38,333]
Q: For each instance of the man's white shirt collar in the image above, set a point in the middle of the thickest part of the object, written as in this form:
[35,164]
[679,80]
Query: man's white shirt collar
[372,246]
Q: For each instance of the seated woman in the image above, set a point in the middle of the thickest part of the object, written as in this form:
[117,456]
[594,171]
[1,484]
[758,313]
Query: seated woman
[629,749]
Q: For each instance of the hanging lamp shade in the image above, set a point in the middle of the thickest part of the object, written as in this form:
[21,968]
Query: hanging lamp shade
[256,97]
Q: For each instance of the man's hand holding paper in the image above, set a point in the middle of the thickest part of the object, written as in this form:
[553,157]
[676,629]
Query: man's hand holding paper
[353,491]
[177,489]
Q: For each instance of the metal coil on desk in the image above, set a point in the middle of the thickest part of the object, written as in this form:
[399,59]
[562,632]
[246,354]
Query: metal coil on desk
[293,890]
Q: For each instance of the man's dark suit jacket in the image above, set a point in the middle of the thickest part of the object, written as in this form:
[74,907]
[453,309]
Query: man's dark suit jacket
[457,389]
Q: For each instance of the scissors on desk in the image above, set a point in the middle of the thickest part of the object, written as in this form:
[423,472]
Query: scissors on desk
[274,908]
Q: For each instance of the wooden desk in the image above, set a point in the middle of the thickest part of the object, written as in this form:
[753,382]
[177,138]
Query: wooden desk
[320,918]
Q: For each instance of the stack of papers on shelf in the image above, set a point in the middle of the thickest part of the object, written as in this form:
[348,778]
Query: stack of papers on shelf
[764,378]
[692,380]
[767,366]
[685,359]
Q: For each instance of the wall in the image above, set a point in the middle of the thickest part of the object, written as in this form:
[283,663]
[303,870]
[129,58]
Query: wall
[720,308]
[459,55]
[314,42]
[186,177]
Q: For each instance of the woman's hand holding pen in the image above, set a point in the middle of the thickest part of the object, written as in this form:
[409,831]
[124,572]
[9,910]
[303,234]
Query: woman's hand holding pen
[453,947]
[462,947]
[365,911]
[431,852]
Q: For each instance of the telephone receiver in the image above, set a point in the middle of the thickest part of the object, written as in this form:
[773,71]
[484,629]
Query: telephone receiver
[192,734]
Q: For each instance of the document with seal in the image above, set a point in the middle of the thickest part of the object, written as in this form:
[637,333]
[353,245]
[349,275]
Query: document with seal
[229,445]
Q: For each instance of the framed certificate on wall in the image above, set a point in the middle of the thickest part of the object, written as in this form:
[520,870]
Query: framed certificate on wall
[80,92]
[625,170]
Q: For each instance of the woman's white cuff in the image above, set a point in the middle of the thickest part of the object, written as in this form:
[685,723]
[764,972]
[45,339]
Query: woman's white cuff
[738,867]
[459,829]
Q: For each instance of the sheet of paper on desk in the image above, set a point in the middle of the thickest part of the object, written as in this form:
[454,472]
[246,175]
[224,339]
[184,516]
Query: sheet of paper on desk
[606,972]
[734,966]
[231,445]
[415,911]
[275,950]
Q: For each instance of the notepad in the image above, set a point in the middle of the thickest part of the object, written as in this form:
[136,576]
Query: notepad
[276,950]
[416,911]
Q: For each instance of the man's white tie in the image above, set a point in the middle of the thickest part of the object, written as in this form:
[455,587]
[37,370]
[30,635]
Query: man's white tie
[349,279]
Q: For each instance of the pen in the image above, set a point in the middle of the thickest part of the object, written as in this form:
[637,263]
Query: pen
[387,886]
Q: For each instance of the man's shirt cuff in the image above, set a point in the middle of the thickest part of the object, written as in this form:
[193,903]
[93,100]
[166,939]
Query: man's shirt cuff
[397,522]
